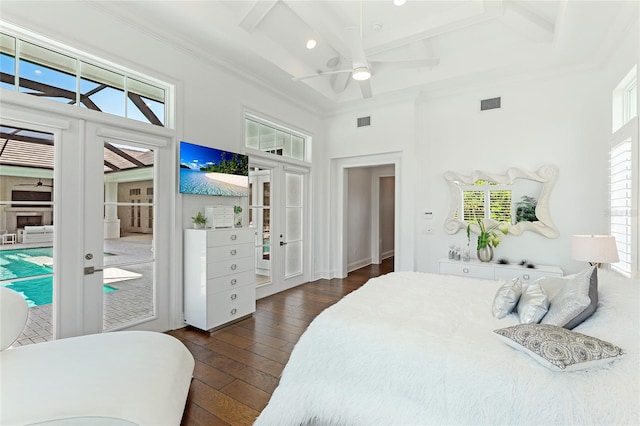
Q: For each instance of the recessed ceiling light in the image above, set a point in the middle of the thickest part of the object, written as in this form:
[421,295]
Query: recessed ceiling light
[399,2]
[311,43]
[376,27]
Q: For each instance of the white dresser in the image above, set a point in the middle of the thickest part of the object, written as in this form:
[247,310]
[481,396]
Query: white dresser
[219,276]
[496,271]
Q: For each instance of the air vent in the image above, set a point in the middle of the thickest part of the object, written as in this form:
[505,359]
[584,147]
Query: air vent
[492,103]
[364,121]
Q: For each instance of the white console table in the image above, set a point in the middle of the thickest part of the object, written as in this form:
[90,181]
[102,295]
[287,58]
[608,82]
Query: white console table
[219,276]
[496,271]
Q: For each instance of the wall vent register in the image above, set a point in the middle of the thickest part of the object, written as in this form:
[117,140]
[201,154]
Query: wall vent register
[492,103]
[364,121]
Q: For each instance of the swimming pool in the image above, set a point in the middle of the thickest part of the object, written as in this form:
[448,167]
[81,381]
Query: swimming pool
[31,262]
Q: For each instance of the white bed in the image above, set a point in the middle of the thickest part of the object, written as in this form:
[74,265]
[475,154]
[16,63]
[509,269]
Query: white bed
[417,348]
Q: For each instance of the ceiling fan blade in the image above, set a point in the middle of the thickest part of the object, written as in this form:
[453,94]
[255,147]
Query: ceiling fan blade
[406,63]
[319,74]
[365,88]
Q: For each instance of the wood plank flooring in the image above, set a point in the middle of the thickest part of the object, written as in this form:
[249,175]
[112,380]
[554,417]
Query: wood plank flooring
[237,367]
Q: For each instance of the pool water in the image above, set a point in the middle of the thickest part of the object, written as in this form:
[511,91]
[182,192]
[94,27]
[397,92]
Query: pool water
[31,262]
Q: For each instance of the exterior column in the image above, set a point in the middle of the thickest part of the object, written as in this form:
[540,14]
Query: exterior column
[111,221]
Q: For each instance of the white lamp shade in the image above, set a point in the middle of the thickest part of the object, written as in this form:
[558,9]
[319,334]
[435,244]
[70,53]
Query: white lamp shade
[594,248]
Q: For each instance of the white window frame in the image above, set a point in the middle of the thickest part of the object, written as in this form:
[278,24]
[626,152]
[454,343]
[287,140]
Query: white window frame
[624,172]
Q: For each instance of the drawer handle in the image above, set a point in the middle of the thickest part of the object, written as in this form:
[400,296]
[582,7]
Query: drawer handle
[233,237]
[234,296]
[233,267]
[233,311]
[465,270]
[233,252]
[234,281]
[525,277]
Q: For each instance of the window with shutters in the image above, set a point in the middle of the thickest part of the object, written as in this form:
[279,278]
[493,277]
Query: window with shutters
[623,175]
[486,200]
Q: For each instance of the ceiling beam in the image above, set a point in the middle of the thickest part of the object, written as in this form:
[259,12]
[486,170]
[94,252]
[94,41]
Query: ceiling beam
[531,16]
[466,15]
[256,13]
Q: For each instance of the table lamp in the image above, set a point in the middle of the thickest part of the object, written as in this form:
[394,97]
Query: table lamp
[595,249]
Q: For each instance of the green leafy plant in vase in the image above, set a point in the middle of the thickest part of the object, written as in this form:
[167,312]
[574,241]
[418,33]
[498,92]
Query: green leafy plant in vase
[237,210]
[488,238]
[199,221]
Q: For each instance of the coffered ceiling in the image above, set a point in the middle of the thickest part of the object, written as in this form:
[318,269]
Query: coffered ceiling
[449,44]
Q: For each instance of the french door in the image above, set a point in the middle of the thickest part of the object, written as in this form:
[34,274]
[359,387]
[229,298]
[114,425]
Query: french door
[107,246]
[277,202]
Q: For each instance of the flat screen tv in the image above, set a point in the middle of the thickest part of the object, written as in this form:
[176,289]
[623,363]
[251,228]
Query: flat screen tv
[211,171]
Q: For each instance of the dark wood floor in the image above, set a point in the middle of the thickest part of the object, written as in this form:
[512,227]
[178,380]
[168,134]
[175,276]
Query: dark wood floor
[237,367]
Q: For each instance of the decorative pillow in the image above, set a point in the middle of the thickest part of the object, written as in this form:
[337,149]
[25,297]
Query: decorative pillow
[533,304]
[506,298]
[576,301]
[557,348]
[552,285]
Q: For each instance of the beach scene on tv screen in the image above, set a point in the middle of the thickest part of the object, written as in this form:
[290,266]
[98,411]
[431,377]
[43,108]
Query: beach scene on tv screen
[210,171]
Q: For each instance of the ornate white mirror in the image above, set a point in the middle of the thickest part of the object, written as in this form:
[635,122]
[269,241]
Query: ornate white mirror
[519,198]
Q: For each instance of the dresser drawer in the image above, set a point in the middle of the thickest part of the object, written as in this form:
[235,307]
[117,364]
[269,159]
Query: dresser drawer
[232,251]
[526,275]
[223,237]
[229,282]
[230,266]
[230,305]
[464,269]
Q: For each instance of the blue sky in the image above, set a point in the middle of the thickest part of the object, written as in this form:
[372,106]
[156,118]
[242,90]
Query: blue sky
[196,156]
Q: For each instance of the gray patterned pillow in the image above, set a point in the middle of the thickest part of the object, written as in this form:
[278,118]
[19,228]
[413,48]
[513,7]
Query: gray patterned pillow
[533,304]
[557,348]
[506,298]
[576,301]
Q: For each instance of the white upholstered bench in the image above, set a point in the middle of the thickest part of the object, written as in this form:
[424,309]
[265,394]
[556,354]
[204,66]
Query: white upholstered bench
[118,378]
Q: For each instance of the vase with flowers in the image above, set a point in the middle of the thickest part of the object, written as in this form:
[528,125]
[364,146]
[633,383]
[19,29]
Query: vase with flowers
[488,238]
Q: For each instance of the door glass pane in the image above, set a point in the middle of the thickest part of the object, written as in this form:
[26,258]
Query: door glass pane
[26,225]
[260,218]
[293,259]
[128,235]
[293,224]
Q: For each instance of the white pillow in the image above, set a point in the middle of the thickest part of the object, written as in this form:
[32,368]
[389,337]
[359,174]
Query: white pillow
[533,304]
[506,298]
[576,301]
[557,348]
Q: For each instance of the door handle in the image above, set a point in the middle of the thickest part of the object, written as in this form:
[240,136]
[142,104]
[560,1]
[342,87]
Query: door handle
[88,270]
[282,243]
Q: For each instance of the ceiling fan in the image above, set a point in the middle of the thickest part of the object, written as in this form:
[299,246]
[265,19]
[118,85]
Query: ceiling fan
[38,184]
[361,69]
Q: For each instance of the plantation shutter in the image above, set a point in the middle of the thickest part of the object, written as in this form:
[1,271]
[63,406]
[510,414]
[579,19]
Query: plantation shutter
[620,202]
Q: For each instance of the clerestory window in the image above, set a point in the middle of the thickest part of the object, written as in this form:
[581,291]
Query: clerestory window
[36,69]
[277,140]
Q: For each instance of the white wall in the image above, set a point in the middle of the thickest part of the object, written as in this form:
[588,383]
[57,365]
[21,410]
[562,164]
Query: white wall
[391,136]
[564,120]
[561,121]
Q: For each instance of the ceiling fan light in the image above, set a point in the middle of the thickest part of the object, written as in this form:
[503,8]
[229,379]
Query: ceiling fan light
[361,74]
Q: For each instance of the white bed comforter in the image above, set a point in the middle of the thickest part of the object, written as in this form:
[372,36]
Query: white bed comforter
[414,348]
